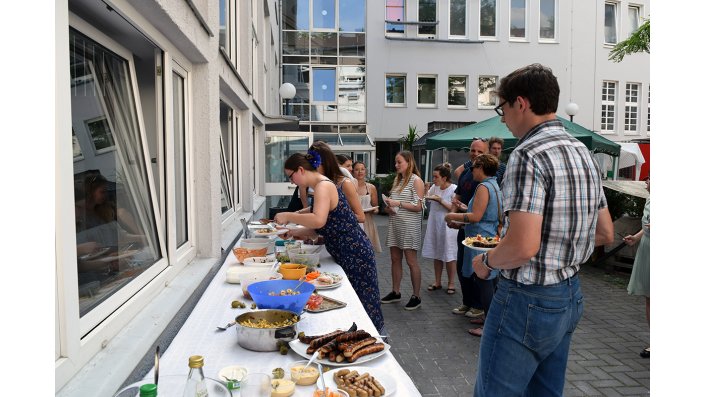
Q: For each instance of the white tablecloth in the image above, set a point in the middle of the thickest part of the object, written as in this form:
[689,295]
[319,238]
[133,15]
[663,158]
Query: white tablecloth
[198,335]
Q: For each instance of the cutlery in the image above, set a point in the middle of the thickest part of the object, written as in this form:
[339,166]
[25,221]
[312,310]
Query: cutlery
[230,324]
[320,377]
[156,366]
[313,357]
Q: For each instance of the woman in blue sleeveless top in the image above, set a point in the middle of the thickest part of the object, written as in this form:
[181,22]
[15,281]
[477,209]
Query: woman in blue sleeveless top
[333,219]
[483,218]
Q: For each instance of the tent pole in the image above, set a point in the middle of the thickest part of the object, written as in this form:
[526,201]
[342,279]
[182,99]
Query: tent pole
[428,164]
[615,168]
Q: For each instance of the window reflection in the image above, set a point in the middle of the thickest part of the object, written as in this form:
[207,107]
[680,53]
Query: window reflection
[352,15]
[427,13]
[547,30]
[518,19]
[323,12]
[324,44]
[457,17]
[295,43]
[323,84]
[116,236]
[295,14]
[395,12]
[352,44]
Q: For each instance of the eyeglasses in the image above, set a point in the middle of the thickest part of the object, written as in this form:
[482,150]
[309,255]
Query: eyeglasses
[499,109]
[477,138]
[290,176]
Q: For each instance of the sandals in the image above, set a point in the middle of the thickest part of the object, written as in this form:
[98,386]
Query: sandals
[475,331]
[477,321]
[450,291]
[645,353]
[432,287]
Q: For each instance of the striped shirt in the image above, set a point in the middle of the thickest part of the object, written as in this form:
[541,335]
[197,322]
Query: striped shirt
[552,174]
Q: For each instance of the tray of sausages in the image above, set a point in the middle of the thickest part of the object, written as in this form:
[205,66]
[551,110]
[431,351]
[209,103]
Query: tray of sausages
[362,381]
[340,348]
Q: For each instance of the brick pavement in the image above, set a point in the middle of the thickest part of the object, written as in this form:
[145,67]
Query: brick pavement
[434,348]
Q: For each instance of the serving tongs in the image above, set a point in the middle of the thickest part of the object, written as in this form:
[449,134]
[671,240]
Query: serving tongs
[156,366]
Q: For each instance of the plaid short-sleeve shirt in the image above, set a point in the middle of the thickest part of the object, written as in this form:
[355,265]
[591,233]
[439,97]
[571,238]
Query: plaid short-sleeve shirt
[552,174]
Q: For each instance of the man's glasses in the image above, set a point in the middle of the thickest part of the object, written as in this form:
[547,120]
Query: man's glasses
[499,109]
[477,138]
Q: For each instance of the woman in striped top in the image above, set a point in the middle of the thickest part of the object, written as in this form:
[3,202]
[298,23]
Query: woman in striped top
[405,209]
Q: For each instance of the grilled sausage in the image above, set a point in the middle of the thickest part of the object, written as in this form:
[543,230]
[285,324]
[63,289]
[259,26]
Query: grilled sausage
[377,347]
[318,342]
[351,336]
[357,346]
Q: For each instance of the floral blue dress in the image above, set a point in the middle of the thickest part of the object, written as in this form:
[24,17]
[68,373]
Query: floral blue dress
[347,243]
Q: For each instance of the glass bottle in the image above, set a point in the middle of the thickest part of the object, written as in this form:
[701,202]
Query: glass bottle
[196,382]
[148,390]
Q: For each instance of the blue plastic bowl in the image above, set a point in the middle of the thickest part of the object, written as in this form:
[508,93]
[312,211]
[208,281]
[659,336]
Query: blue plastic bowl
[294,303]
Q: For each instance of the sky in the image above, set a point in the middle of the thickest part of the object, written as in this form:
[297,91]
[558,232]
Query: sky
[27,206]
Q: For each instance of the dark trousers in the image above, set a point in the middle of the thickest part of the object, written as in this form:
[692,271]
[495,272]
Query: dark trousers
[484,291]
[467,287]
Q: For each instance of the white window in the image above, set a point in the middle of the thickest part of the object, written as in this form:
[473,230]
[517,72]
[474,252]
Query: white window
[179,167]
[634,16]
[547,20]
[488,18]
[486,85]
[609,103]
[227,35]
[323,15]
[458,92]
[230,181]
[395,90]
[427,13]
[631,108]
[394,11]
[611,27]
[517,19]
[426,91]
[458,19]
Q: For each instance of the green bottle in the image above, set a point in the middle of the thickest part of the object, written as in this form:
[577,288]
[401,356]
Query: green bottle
[148,390]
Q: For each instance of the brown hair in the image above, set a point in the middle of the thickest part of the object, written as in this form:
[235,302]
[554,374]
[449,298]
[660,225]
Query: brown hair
[443,170]
[534,82]
[297,160]
[331,169]
[409,158]
[494,140]
[488,162]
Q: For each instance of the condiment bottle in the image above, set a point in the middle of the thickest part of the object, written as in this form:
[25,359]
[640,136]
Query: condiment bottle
[148,390]
[196,381]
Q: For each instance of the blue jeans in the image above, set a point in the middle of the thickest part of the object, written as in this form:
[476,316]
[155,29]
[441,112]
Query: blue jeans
[526,338]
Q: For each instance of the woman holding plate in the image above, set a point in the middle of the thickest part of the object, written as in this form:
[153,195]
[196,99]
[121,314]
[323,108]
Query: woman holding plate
[484,217]
[333,219]
[368,197]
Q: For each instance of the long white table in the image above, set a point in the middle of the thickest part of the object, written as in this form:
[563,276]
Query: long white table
[198,335]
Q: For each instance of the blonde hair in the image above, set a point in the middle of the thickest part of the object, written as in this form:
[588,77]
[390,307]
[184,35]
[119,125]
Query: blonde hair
[411,169]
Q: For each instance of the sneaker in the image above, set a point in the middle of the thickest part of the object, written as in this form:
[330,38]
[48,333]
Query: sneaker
[391,297]
[414,303]
[462,309]
[474,313]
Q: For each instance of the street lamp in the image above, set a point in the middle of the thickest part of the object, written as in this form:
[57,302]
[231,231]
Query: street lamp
[572,109]
[287,91]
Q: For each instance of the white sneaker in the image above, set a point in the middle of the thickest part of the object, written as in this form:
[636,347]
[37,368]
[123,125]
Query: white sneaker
[462,309]
[474,313]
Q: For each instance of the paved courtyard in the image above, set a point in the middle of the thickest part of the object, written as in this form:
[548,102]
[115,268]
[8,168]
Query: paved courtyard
[433,345]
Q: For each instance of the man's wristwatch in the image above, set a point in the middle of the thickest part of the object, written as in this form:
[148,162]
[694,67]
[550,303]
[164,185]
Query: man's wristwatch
[486,262]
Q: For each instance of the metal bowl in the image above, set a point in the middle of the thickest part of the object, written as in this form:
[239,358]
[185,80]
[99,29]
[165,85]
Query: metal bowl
[265,339]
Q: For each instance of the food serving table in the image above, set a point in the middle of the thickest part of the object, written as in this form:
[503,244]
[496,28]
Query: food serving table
[198,335]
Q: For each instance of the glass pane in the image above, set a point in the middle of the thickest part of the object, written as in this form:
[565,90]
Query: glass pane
[180,210]
[323,85]
[77,153]
[488,18]
[223,32]
[299,77]
[324,44]
[610,24]
[458,15]
[351,86]
[295,14]
[325,128]
[324,113]
[427,91]
[294,59]
[226,180]
[317,60]
[633,19]
[276,150]
[331,139]
[301,111]
[323,14]
[395,87]
[485,92]
[295,43]
[352,44]
[395,12]
[351,61]
[518,22]
[352,15]
[356,129]
[355,139]
[547,29]
[427,13]
[116,238]
[457,91]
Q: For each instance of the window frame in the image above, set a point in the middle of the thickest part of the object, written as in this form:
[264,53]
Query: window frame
[491,106]
[616,24]
[403,26]
[613,103]
[394,104]
[525,38]
[312,82]
[312,28]
[638,9]
[419,27]
[465,34]
[231,31]
[434,105]
[467,79]
[555,24]
[479,21]
[630,105]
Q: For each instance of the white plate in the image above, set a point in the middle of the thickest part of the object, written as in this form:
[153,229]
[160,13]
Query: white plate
[236,372]
[370,209]
[387,381]
[260,233]
[260,261]
[300,349]
[329,286]
[481,249]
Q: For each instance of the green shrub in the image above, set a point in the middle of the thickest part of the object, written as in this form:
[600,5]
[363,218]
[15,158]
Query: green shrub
[624,204]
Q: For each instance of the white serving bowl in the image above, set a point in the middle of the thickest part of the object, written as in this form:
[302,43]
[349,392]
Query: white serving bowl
[258,242]
[260,261]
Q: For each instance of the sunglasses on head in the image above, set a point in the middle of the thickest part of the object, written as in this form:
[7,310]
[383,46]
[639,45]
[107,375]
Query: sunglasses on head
[479,139]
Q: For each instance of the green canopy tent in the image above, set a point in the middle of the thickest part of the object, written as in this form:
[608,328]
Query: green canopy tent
[459,139]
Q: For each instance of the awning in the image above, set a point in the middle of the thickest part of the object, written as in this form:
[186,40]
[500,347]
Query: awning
[634,188]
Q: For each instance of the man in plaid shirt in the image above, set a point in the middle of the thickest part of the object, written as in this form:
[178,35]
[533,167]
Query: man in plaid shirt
[557,214]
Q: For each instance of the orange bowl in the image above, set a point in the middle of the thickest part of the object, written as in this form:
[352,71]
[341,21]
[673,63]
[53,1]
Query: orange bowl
[292,271]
